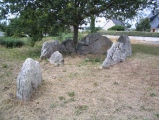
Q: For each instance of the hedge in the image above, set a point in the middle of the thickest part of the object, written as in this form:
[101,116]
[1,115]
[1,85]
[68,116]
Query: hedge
[11,42]
[132,33]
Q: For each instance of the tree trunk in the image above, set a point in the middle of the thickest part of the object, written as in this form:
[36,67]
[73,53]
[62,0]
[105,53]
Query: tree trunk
[75,35]
[92,25]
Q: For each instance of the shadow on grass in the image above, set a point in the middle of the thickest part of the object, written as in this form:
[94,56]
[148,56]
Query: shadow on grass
[146,49]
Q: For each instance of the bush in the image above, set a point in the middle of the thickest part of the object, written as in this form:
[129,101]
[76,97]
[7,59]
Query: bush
[11,42]
[117,28]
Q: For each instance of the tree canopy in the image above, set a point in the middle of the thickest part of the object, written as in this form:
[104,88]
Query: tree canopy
[47,13]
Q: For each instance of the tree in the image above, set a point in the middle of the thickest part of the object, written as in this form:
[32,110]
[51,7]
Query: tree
[143,25]
[74,12]
[3,26]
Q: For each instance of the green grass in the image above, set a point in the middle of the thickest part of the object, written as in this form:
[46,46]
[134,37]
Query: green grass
[71,94]
[65,36]
[53,105]
[69,100]
[146,49]
[61,98]
[80,109]
[4,66]
[153,94]
[95,84]
[157,115]
[94,60]
[20,53]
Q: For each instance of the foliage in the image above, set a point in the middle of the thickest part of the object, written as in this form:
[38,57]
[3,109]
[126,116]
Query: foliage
[117,28]
[80,109]
[66,35]
[11,42]
[14,28]
[131,33]
[41,15]
[3,27]
[92,25]
[143,25]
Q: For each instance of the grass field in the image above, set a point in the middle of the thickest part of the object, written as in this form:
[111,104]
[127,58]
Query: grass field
[80,90]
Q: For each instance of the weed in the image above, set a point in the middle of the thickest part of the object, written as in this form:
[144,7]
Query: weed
[53,105]
[93,60]
[144,108]
[71,94]
[4,66]
[115,83]
[87,60]
[153,94]
[95,84]
[157,115]
[69,100]
[80,109]
[72,75]
[61,98]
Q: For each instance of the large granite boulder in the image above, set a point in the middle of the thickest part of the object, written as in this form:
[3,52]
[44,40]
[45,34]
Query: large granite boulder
[56,58]
[48,48]
[67,46]
[94,44]
[28,79]
[127,44]
[116,54]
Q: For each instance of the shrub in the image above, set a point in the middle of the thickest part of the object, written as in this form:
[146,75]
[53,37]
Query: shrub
[11,42]
[117,28]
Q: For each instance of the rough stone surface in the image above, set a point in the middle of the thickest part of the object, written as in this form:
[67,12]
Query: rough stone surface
[28,79]
[127,44]
[94,44]
[56,58]
[48,48]
[67,46]
[115,54]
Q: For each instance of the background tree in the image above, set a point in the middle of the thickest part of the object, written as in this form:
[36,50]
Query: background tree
[74,12]
[143,25]
[117,28]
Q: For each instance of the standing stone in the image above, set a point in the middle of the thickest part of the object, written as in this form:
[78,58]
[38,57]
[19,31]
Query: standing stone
[115,54]
[28,79]
[127,44]
[48,48]
[67,46]
[94,44]
[56,58]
